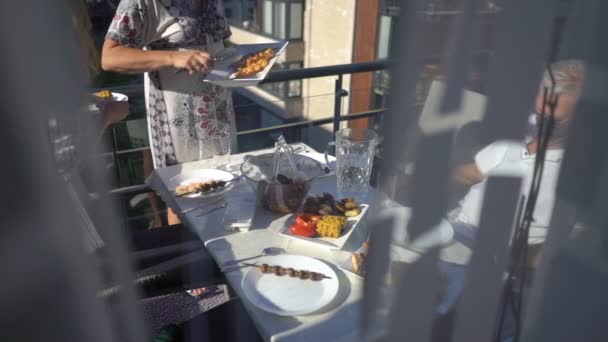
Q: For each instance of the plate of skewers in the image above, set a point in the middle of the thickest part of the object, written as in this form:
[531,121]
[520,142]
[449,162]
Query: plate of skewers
[202,183]
[245,65]
[290,285]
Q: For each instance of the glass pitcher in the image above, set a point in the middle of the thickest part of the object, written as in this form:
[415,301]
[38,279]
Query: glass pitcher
[354,160]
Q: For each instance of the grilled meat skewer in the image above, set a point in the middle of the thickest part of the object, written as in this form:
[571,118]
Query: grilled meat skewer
[281,271]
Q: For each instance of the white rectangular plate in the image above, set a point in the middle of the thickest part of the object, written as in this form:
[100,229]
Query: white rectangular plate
[223,69]
[331,243]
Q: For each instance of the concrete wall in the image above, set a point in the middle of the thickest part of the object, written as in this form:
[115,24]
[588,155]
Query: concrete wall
[328,37]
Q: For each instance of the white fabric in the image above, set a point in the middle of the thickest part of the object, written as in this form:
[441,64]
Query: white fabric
[183,111]
[490,157]
[506,158]
[179,87]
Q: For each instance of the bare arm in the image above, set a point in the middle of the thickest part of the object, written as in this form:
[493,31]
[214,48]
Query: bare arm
[112,113]
[115,57]
[467,174]
[119,58]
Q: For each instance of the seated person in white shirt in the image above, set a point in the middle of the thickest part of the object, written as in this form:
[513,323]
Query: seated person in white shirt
[510,158]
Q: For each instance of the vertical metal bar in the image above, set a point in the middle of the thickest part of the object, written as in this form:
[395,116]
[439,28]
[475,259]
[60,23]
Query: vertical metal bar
[338,93]
[480,298]
[115,155]
[287,26]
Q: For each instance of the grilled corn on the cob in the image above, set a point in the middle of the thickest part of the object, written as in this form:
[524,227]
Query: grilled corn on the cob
[330,226]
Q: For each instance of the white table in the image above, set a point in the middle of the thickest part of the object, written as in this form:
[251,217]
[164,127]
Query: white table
[336,322]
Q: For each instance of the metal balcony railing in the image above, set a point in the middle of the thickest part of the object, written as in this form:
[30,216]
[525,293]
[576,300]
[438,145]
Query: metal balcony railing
[280,76]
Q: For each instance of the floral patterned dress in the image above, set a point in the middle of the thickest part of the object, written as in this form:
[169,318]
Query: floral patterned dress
[183,111]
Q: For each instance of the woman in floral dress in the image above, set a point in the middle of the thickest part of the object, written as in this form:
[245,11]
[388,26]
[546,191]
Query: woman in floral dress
[163,38]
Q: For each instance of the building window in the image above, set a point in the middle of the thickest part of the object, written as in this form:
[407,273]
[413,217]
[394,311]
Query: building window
[384,37]
[267,10]
[296,16]
[287,89]
[389,11]
[280,10]
[281,19]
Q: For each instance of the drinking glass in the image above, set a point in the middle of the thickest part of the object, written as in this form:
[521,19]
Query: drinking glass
[354,160]
[221,141]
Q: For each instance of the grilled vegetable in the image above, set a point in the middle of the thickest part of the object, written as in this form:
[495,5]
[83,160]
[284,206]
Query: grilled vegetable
[326,209]
[349,203]
[326,204]
[330,226]
[339,207]
[352,212]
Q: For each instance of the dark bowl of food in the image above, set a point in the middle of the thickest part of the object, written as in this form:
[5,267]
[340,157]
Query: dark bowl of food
[281,187]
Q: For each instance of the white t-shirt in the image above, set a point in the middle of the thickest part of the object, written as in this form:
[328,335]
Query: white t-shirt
[500,158]
[512,159]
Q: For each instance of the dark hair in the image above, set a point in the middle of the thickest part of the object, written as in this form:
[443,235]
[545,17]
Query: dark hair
[82,25]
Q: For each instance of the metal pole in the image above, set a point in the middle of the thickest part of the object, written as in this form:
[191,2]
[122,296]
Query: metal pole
[114,145]
[339,93]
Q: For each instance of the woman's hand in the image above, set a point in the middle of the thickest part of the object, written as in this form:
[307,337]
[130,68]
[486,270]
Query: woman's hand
[112,112]
[193,61]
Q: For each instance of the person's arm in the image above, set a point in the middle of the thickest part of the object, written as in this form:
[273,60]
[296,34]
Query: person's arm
[134,27]
[119,58]
[111,113]
[485,160]
[468,174]
[466,147]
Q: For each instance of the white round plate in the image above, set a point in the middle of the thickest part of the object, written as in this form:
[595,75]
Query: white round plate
[203,175]
[287,296]
[118,97]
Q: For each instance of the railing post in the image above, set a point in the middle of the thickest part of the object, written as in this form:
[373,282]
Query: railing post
[339,94]
[114,146]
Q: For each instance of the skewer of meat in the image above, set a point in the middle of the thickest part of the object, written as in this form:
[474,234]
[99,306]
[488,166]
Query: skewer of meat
[203,187]
[281,271]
